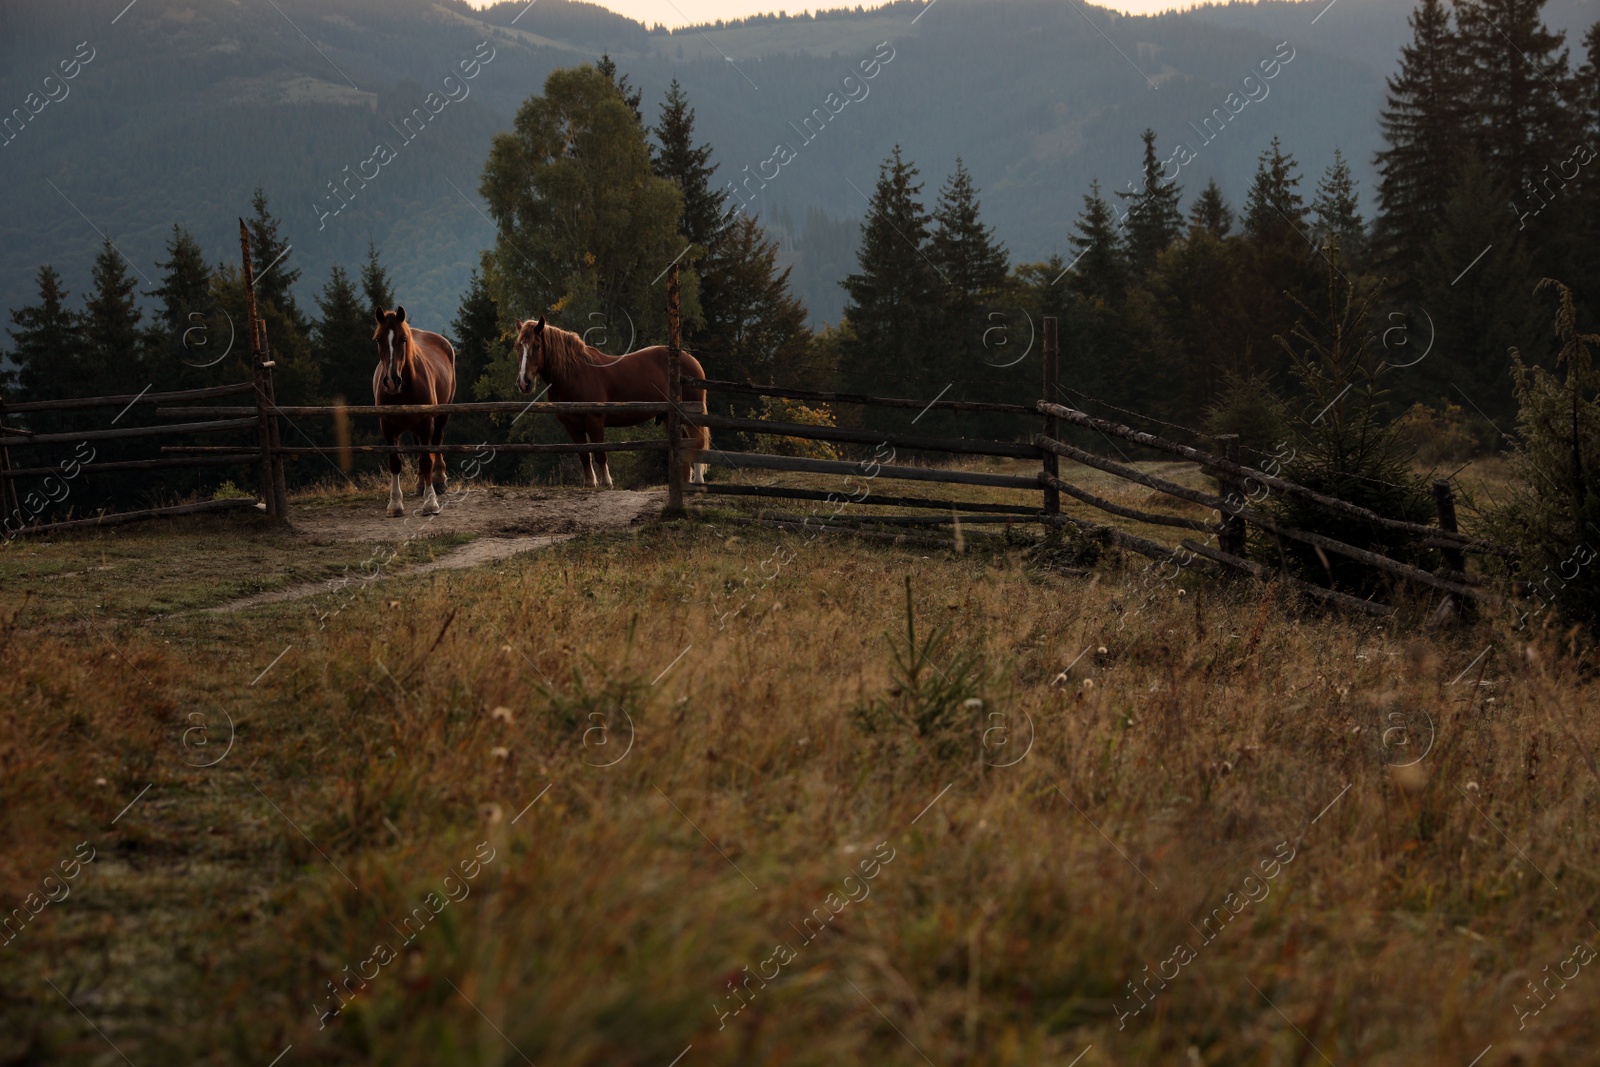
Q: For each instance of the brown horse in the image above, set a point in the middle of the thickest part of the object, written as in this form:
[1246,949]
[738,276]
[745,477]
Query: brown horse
[414,367]
[578,372]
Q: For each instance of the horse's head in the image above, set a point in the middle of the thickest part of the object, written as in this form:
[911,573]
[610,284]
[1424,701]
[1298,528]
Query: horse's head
[530,352]
[393,339]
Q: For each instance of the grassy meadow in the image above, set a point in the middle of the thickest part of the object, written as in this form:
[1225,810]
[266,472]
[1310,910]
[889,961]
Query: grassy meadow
[692,794]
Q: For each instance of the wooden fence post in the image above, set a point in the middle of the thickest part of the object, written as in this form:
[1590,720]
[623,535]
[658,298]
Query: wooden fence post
[1052,425]
[279,485]
[674,399]
[1232,538]
[253,335]
[1445,500]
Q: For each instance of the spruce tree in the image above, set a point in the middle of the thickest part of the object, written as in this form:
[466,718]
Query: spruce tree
[1211,212]
[690,168]
[630,96]
[113,329]
[1099,266]
[756,328]
[1153,221]
[184,338]
[1422,126]
[269,254]
[341,340]
[1274,211]
[46,343]
[893,297]
[1336,211]
[377,289]
[971,261]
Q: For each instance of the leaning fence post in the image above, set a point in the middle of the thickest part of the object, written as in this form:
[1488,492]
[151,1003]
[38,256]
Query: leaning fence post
[1232,537]
[674,399]
[279,485]
[1445,500]
[1052,425]
[263,401]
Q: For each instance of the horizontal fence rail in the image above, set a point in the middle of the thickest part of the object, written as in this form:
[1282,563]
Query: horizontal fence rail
[1218,463]
[856,398]
[129,432]
[488,407]
[515,448]
[761,461]
[870,500]
[807,431]
[82,403]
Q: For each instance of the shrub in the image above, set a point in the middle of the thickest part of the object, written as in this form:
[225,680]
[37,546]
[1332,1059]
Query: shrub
[1553,515]
[778,409]
[1438,435]
[1252,410]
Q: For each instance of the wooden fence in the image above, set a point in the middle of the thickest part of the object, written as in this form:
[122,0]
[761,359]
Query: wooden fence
[1226,531]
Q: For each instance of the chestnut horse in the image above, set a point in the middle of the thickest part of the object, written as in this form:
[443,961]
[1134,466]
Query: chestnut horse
[580,373]
[414,367]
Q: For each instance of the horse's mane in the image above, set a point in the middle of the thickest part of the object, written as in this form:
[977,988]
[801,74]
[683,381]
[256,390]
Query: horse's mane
[569,353]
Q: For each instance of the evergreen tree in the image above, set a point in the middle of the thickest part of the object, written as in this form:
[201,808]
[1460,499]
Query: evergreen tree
[341,340]
[376,287]
[1099,266]
[1422,125]
[1211,212]
[269,255]
[1336,211]
[892,298]
[756,329]
[113,328]
[1519,94]
[963,249]
[1274,211]
[1477,288]
[690,168]
[183,337]
[630,96]
[475,335]
[1153,221]
[46,343]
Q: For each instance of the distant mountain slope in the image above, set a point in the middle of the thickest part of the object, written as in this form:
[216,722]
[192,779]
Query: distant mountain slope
[187,105]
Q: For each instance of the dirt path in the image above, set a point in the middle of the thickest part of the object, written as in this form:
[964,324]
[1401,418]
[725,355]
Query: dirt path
[503,522]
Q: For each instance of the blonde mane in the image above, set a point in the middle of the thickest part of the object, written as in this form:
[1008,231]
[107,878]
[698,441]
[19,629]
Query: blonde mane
[567,352]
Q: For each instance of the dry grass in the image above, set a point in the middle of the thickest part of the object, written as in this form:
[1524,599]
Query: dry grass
[1195,735]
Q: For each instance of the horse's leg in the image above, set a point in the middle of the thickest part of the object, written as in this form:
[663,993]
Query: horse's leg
[430,502]
[576,428]
[397,506]
[440,480]
[597,435]
[697,471]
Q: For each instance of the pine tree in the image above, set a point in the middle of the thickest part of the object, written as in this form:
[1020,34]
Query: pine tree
[690,167]
[1477,287]
[1336,211]
[630,96]
[1099,269]
[475,332]
[269,255]
[341,340]
[1211,212]
[1153,221]
[1519,93]
[1274,211]
[756,329]
[1422,125]
[892,298]
[46,343]
[113,329]
[963,249]
[183,333]
[376,286]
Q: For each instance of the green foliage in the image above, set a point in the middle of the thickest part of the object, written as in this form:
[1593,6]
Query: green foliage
[1153,220]
[1342,445]
[1443,434]
[1249,407]
[1553,515]
[1275,210]
[935,688]
[584,224]
[341,340]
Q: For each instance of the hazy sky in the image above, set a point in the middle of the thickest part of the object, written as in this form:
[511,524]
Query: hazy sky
[676,13]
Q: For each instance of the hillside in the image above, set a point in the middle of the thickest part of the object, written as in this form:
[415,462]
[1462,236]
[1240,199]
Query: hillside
[185,107]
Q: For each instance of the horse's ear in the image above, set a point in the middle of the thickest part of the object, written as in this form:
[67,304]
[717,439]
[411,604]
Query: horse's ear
[399,313]
[539,328]
[377,313]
